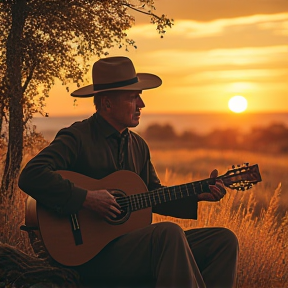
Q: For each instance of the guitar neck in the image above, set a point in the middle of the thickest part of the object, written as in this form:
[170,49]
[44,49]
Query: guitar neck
[165,194]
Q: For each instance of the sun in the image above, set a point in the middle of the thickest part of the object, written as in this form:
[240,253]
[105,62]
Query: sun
[237,104]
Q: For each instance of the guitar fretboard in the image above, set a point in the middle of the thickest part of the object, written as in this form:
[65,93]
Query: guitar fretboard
[164,194]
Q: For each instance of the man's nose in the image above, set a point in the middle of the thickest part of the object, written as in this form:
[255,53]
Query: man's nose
[140,102]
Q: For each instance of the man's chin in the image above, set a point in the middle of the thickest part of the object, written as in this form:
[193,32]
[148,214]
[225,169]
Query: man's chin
[134,123]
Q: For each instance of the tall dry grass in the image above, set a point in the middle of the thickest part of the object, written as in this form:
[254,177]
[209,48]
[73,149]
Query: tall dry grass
[12,211]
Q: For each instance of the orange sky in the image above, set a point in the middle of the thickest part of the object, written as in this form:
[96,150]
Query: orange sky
[215,50]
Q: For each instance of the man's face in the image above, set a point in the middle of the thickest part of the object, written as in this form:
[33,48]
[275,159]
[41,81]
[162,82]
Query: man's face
[125,109]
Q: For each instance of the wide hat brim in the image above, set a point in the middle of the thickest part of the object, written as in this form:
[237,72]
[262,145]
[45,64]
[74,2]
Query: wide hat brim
[145,81]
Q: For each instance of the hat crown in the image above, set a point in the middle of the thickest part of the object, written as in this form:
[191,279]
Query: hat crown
[113,69]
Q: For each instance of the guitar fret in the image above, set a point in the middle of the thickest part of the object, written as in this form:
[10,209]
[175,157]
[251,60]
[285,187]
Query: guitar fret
[146,204]
[134,207]
[130,202]
[164,195]
[181,191]
[137,202]
[159,196]
[186,186]
[201,187]
[169,194]
[194,189]
[150,202]
[154,199]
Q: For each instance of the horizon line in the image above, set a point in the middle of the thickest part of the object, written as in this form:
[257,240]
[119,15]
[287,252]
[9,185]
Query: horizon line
[171,112]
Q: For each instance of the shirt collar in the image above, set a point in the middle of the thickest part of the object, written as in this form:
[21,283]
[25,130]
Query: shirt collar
[107,129]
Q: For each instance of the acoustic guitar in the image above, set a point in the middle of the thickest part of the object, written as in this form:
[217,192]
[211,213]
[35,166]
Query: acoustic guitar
[74,239]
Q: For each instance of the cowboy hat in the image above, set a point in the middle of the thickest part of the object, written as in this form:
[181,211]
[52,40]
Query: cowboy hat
[117,73]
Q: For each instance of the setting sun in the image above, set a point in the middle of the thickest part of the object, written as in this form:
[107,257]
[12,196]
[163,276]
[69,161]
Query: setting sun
[237,104]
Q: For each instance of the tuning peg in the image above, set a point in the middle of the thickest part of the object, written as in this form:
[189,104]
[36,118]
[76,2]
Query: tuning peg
[233,166]
[246,164]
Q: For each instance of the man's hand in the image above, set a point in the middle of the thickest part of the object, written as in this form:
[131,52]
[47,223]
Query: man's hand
[217,191]
[103,203]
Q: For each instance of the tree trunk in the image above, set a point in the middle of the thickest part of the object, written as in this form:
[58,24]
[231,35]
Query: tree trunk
[14,67]
[1,117]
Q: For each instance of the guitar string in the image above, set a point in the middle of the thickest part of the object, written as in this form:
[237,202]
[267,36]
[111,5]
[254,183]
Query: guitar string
[144,197]
[126,200]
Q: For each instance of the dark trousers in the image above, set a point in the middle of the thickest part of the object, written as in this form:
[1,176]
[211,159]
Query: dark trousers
[163,255]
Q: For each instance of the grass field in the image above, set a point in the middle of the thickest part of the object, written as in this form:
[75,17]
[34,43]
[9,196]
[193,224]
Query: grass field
[258,216]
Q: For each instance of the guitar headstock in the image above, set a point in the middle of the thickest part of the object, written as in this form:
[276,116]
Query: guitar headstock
[241,177]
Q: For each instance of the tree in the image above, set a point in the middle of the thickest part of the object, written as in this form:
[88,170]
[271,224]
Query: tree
[159,132]
[44,40]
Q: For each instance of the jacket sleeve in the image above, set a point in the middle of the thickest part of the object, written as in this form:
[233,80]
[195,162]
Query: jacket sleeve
[40,179]
[185,208]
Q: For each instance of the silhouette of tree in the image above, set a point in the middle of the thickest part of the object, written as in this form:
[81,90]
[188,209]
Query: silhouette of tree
[160,132]
[223,139]
[271,139]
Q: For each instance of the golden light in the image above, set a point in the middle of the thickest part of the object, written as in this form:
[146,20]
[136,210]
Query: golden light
[237,104]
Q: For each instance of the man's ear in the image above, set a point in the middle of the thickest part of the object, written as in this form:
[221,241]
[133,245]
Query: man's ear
[106,102]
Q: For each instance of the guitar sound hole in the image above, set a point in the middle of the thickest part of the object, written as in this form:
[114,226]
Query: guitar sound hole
[125,210]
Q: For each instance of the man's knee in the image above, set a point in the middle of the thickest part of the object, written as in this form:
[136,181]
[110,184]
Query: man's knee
[229,238]
[168,230]
[169,242]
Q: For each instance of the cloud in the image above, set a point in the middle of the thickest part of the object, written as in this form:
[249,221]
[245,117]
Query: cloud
[207,10]
[189,60]
[255,75]
[277,23]
[279,27]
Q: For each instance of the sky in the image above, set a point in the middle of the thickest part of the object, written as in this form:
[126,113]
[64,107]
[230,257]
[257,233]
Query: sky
[216,49]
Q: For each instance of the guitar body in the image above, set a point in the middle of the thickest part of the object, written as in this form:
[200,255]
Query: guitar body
[56,230]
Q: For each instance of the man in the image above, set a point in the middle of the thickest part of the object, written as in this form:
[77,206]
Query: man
[159,255]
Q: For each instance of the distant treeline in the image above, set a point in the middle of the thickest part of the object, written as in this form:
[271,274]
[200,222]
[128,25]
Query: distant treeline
[272,139]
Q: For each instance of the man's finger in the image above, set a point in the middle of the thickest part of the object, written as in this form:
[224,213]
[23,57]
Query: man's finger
[220,185]
[217,194]
[114,209]
[214,173]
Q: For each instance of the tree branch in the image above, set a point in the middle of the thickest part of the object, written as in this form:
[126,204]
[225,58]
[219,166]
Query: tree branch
[141,11]
[29,78]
